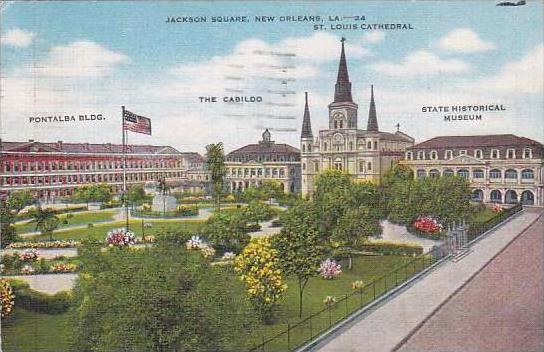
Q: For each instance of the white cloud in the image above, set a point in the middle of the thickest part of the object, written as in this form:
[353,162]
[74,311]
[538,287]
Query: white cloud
[522,76]
[374,37]
[80,59]
[421,62]
[464,40]
[18,37]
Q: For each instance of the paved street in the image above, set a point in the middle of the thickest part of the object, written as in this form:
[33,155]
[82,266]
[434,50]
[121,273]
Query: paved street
[385,327]
[501,309]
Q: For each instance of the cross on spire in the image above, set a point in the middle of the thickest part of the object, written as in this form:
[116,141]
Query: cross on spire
[398,127]
[343,40]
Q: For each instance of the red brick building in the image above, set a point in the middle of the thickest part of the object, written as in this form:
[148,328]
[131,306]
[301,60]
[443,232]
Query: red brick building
[55,169]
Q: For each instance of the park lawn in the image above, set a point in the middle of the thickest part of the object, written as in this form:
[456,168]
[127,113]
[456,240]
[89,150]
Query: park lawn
[30,331]
[481,216]
[82,218]
[99,231]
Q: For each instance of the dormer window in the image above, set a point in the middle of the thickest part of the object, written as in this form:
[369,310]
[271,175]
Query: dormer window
[478,154]
[511,154]
[462,152]
[421,155]
[409,156]
[495,154]
[527,153]
[434,155]
[448,154]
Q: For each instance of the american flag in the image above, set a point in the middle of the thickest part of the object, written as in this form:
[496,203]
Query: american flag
[136,123]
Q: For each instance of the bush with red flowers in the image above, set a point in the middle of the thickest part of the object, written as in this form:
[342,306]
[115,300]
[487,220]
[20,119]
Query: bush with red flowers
[427,226]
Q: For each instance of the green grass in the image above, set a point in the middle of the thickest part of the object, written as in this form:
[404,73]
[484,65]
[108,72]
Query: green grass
[99,231]
[29,331]
[481,216]
[77,219]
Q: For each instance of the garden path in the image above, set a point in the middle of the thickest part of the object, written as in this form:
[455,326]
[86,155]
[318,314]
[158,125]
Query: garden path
[48,283]
[47,253]
[385,327]
[398,233]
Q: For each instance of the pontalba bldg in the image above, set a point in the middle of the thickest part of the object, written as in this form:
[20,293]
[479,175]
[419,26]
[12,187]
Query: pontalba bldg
[365,154]
[501,168]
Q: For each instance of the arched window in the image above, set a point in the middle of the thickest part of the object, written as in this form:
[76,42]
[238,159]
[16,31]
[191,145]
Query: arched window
[511,174]
[335,124]
[527,174]
[478,154]
[434,155]
[495,173]
[448,172]
[369,145]
[527,198]
[463,173]
[434,173]
[369,166]
[478,173]
[448,154]
[421,173]
[510,197]
[341,124]
[477,195]
[303,148]
[309,148]
[496,196]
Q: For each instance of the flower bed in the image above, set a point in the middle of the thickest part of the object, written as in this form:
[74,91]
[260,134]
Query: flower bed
[43,244]
[120,237]
[7,297]
[427,227]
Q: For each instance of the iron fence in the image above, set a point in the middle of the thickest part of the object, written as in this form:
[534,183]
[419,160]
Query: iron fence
[307,329]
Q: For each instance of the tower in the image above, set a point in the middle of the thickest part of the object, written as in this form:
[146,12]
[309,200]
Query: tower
[342,111]
[307,156]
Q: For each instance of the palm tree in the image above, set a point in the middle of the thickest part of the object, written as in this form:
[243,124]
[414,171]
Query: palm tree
[46,221]
[215,161]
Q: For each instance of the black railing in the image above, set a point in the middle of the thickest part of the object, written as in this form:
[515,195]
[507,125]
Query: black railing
[307,329]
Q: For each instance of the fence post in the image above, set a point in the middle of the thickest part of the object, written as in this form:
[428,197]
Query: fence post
[288,337]
[374,289]
[361,297]
[346,304]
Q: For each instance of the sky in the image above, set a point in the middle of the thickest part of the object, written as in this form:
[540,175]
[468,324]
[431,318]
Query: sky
[90,58]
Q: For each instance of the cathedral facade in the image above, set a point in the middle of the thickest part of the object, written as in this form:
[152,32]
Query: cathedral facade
[366,154]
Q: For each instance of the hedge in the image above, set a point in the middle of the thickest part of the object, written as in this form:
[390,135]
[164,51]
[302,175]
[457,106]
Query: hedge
[40,302]
[392,248]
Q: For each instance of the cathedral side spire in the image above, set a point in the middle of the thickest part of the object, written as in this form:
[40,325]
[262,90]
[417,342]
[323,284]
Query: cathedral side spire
[306,122]
[342,89]
[372,118]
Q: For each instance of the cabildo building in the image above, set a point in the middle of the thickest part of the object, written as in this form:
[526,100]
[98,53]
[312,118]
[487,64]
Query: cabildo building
[501,168]
[56,169]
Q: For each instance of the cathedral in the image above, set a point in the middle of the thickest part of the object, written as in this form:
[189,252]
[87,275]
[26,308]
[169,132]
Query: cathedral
[364,154]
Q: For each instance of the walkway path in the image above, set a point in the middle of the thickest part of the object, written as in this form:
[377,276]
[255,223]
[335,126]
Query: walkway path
[385,327]
[47,253]
[398,233]
[48,283]
[501,309]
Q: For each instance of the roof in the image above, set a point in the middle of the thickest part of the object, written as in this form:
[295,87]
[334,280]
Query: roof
[265,148]
[492,140]
[84,148]
[342,90]
[306,122]
[394,137]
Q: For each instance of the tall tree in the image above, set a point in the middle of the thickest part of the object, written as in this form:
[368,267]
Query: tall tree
[215,161]
[46,221]
[18,200]
[298,245]
[7,229]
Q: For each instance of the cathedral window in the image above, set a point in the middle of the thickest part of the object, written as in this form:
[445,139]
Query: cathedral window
[341,124]
[316,166]
[350,145]
[361,166]
[309,148]
[369,166]
[369,145]
[375,145]
[303,148]
[325,146]
[335,124]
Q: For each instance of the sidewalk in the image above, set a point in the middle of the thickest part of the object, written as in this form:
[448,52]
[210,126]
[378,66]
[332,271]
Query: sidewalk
[384,328]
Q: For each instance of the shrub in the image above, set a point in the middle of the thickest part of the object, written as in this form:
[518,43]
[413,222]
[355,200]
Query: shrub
[7,297]
[329,269]
[392,248]
[41,302]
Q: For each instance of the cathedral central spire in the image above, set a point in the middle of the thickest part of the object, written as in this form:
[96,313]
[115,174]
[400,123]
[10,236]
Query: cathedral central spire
[342,89]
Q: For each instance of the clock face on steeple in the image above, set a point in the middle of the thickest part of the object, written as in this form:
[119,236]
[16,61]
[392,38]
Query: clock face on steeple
[338,115]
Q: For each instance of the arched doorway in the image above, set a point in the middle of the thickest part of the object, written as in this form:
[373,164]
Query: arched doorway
[496,196]
[478,195]
[527,198]
[510,197]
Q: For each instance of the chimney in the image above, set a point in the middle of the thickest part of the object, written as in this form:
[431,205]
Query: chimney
[30,140]
[59,144]
[86,146]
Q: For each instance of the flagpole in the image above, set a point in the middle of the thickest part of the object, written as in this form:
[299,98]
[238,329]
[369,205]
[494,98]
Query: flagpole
[125,193]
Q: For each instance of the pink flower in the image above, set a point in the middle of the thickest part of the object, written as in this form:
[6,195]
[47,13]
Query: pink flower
[329,269]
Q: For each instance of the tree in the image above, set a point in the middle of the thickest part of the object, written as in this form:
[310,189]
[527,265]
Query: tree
[18,200]
[46,221]
[258,266]
[215,161]
[160,298]
[7,229]
[136,194]
[226,233]
[257,211]
[93,193]
[354,227]
[298,245]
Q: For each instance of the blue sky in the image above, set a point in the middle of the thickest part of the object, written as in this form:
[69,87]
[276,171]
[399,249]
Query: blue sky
[91,57]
